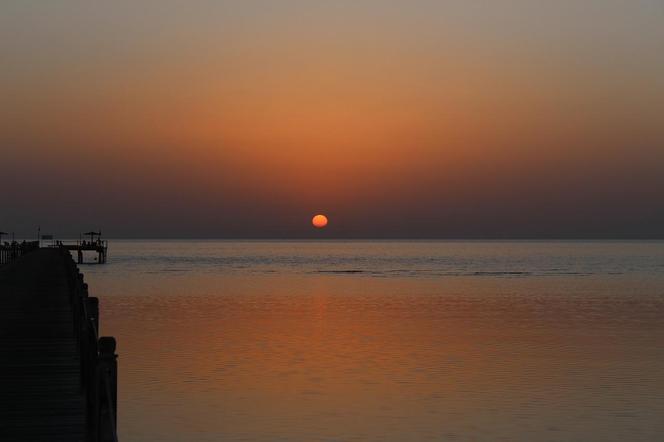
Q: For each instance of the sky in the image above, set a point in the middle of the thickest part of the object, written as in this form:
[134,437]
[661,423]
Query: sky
[396,119]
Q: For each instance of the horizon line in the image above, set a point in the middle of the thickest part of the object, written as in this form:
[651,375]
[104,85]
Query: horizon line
[363,238]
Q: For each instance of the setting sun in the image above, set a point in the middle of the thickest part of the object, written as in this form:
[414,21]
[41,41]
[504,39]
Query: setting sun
[319,221]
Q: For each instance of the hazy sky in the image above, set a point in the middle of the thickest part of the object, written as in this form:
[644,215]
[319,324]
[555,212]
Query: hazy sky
[395,118]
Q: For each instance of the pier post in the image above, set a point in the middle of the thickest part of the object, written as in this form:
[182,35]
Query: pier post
[108,389]
[93,312]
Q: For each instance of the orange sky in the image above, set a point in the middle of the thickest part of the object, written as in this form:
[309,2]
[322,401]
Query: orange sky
[235,111]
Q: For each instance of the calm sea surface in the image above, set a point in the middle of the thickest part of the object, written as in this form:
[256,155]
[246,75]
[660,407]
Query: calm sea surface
[386,341]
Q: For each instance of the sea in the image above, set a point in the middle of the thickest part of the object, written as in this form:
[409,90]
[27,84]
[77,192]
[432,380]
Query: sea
[386,340]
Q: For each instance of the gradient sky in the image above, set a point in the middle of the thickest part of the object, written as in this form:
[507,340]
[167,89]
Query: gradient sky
[395,118]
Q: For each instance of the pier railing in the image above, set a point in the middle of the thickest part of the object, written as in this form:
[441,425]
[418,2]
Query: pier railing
[100,247]
[11,251]
[99,372]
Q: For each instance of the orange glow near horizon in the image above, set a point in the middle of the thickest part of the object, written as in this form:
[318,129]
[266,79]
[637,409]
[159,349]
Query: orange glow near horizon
[389,107]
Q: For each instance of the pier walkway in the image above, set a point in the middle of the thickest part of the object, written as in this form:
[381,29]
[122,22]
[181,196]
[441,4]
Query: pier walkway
[57,378]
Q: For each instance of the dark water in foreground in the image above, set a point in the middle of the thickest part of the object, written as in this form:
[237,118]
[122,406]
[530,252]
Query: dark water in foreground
[386,341]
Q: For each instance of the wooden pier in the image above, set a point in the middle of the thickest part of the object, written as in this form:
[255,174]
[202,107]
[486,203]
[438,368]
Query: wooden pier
[95,244]
[99,247]
[58,379]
